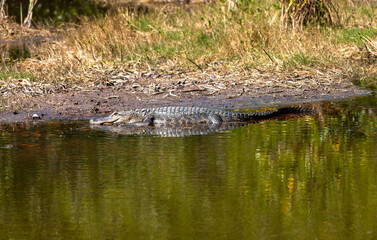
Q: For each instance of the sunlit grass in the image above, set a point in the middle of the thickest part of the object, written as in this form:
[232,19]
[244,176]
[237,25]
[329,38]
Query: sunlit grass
[302,59]
[250,34]
[350,35]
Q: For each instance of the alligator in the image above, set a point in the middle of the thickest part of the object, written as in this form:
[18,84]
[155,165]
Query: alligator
[189,116]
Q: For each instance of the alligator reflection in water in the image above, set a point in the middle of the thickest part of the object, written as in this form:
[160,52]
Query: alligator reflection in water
[168,131]
[185,121]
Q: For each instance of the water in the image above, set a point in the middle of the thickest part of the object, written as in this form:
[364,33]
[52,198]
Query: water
[313,177]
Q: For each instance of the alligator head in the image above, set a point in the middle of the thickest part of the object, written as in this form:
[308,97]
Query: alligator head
[123,117]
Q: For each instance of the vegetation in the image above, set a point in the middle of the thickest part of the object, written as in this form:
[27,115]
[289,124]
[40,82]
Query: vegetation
[300,13]
[270,36]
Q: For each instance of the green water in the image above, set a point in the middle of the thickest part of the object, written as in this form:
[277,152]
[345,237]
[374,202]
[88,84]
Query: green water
[313,177]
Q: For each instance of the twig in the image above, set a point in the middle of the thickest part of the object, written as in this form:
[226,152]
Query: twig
[260,71]
[78,59]
[238,95]
[193,90]
[269,56]
[113,96]
[195,64]
[157,93]
[171,93]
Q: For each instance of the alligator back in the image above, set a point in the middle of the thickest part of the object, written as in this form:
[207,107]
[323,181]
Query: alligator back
[212,115]
[191,115]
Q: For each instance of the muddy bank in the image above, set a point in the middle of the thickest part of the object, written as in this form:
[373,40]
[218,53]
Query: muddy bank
[142,91]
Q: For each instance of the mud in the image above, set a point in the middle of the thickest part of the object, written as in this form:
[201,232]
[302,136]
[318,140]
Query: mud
[77,103]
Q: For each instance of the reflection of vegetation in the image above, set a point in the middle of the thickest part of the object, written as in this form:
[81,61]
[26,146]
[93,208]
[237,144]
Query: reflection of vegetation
[304,177]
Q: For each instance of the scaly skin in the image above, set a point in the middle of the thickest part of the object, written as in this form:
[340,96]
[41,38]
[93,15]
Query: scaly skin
[191,115]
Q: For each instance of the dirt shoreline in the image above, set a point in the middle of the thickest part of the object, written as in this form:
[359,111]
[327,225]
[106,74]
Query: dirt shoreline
[121,92]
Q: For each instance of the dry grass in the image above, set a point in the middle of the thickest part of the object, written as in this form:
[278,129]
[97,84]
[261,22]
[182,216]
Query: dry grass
[298,14]
[210,38]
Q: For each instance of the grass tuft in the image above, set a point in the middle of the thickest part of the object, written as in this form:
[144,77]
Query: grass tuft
[9,74]
[298,14]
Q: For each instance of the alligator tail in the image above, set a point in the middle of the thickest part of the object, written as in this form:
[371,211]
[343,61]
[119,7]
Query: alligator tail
[282,111]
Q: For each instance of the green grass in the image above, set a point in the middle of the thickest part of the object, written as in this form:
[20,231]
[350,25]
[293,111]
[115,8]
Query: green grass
[10,74]
[301,60]
[144,23]
[350,35]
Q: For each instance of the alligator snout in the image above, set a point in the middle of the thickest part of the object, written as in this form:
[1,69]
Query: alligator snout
[101,121]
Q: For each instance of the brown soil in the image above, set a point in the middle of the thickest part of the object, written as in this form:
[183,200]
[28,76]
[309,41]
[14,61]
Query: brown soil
[122,91]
